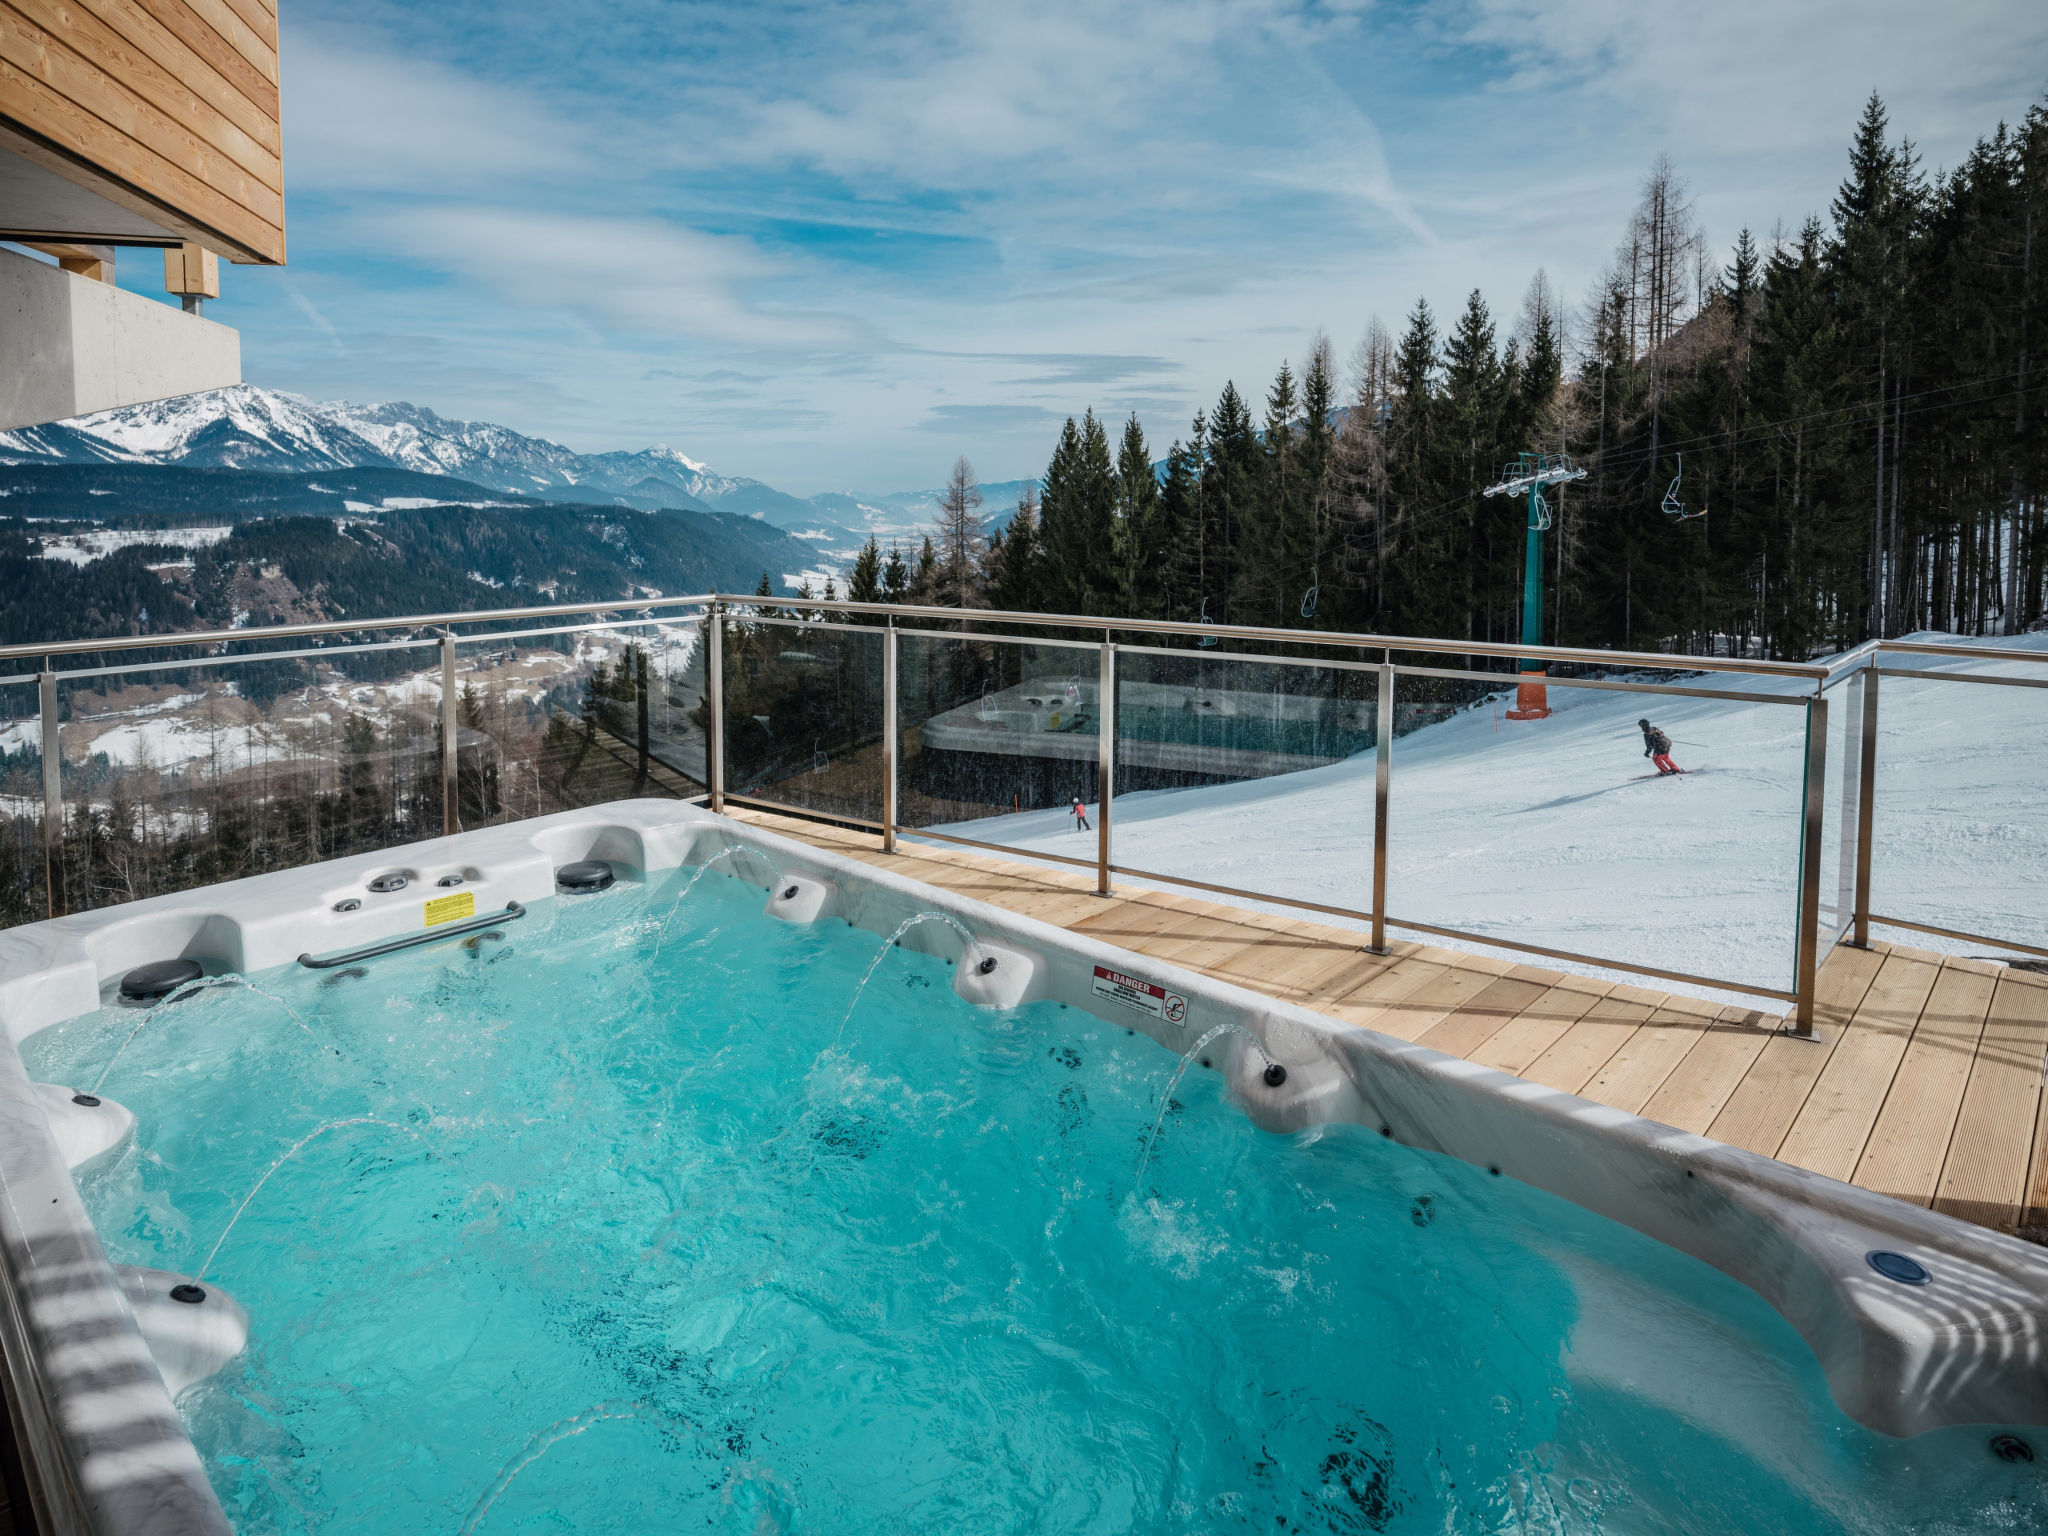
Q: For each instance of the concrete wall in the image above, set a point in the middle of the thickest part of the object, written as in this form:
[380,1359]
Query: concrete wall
[70,345]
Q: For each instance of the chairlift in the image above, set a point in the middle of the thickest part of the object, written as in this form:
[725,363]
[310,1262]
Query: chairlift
[1544,520]
[819,761]
[1308,598]
[1674,508]
[1206,640]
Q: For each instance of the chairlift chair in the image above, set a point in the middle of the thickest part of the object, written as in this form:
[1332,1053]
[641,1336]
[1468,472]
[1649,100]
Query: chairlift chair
[1675,509]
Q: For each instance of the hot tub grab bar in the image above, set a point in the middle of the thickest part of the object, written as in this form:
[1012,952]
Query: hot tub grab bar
[407,941]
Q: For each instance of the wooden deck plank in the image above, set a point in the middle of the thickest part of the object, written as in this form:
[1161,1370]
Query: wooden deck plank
[1584,1049]
[2033,1220]
[1910,1141]
[1523,1039]
[1833,1125]
[1373,1002]
[1699,1087]
[1635,1072]
[1768,1099]
[1984,1179]
[1471,1024]
[1414,1013]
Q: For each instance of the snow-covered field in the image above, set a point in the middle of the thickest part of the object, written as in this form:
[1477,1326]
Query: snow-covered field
[98,543]
[1551,833]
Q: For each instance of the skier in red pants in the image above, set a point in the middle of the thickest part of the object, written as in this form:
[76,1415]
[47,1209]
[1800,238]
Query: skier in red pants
[1657,748]
[1080,814]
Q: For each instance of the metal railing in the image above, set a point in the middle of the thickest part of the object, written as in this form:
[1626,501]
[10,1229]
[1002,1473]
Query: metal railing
[1856,675]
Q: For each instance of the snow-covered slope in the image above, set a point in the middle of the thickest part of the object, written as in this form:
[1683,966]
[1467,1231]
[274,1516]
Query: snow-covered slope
[1553,833]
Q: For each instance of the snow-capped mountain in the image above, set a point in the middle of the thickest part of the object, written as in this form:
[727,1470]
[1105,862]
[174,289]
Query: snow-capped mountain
[248,427]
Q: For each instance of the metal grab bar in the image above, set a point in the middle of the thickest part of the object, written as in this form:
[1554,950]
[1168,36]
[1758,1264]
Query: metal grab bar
[513,910]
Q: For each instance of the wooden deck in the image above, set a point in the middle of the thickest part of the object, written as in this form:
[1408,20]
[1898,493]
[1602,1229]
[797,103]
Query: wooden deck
[1923,1080]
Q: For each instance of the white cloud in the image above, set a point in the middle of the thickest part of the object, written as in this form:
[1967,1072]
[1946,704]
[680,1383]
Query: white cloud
[363,118]
[641,276]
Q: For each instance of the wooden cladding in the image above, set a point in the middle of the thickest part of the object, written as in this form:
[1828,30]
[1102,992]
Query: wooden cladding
[166,107]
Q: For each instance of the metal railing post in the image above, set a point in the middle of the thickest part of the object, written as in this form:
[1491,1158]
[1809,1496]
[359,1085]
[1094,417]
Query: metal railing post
[1866,804]
[1105,763]
[889,736]
[640,692]
[53,798]
[451,823]
[1383,778]
[714,693]
[1806,961]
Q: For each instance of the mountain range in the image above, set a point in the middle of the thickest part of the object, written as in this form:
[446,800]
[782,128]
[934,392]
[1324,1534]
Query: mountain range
[247,427]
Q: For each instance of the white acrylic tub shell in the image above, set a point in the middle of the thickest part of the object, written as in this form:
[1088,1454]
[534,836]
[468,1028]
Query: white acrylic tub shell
[95,1354]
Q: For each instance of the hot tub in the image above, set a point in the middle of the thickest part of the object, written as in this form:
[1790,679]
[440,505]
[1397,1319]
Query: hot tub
[689,1177]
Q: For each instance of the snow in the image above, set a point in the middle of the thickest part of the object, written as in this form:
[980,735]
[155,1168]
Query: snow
[97,544]
[172,742]
[1550,832]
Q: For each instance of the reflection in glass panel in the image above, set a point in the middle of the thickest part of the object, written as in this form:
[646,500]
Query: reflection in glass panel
[999,738]
[194,774]
[803,714]
[554,722]
[22,895]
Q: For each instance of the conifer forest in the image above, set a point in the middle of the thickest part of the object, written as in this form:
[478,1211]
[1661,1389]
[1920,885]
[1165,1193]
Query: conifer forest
[1833,432]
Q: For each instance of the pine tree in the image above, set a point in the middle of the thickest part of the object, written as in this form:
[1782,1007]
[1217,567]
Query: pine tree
[1080,568]
[864,581]
[895,578]
[1141,532]
[962,544]
[1231,491]
[1013,559]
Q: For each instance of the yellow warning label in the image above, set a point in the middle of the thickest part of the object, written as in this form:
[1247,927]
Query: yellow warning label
[449,909]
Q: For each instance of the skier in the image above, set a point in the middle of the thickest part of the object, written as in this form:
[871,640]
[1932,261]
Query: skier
[1657,748]
[1080,815]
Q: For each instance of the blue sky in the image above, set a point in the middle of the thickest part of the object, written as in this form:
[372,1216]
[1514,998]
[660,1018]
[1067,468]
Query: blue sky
[832,246]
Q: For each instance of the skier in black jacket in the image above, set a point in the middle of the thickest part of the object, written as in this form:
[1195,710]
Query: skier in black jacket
[1657,748]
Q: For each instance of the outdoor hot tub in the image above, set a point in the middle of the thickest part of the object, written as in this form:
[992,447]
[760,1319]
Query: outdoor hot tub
[683,1177]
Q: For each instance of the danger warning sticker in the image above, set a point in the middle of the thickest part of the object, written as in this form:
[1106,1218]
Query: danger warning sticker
[1135,992]
[449,909]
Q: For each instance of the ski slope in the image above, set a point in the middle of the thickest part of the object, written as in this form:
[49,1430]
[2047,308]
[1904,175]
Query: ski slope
[1556,832]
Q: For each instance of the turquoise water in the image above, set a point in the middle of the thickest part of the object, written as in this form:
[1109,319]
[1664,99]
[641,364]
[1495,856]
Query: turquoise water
[631,1248]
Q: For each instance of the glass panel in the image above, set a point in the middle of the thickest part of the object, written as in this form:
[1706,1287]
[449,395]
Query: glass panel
[192,775]
[999,740]
[1843,789]
[555,722]
[1218,758]
[803,711]
[22,896]
[1559,831]
[1962,827]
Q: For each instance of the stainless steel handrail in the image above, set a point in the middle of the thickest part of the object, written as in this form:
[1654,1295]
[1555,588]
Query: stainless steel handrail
[1099,622]
[1347,639]
[337,627]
